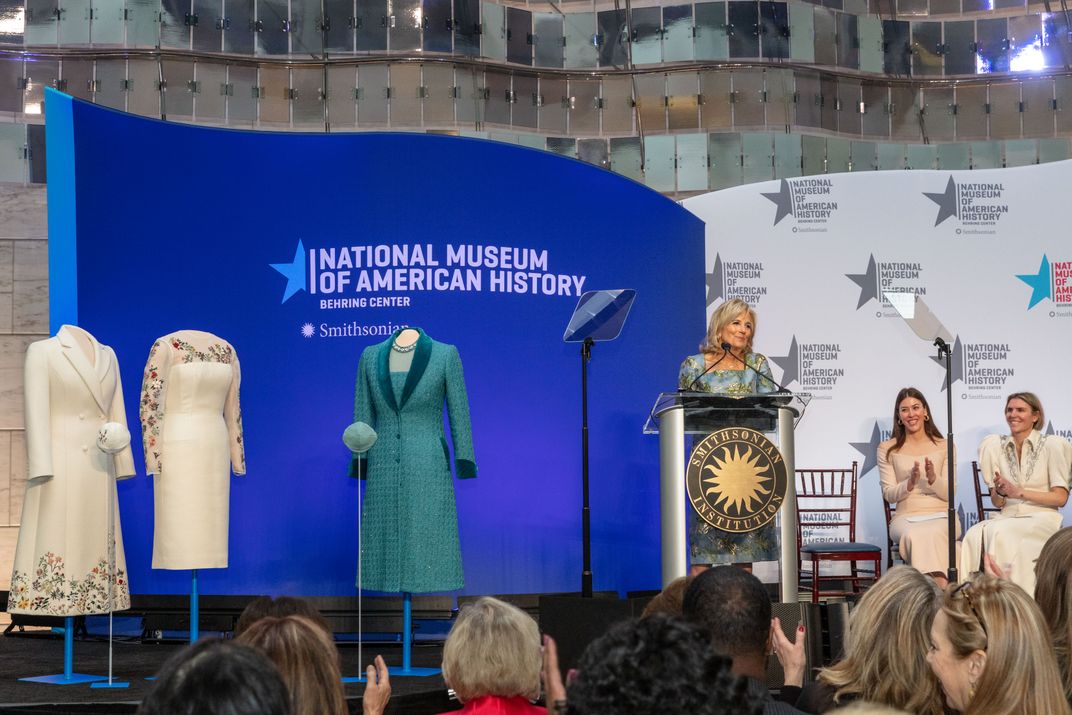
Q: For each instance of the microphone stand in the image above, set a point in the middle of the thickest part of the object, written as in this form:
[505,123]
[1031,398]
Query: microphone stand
[586,511]
[945,350]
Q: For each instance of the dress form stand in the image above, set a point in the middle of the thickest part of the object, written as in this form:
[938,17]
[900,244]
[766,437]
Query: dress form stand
[400,361]
[68,676]
[112,438]
[195,608]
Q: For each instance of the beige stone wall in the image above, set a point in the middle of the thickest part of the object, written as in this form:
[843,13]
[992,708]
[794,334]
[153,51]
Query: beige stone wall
[23,319]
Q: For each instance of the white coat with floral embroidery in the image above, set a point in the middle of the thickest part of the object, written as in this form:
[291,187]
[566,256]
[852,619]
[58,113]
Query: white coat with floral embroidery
[72,389]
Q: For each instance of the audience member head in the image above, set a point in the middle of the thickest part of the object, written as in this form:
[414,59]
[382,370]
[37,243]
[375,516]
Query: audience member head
[654,666]
[1033,402]
[281,607]
[669,600]
[907,399]
[884,659]
[1053,594]
[214,677]
[725,314]
[493,649]
[869,708]
[733,607]
[991,650]
[307,659]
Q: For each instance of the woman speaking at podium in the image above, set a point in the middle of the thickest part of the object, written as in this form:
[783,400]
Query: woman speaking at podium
[727,365]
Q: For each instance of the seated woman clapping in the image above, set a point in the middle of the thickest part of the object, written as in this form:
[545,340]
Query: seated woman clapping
[1028,474]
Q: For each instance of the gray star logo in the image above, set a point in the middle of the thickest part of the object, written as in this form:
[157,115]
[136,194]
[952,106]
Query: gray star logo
[947,201]
[783,199]
[956,363]
[790,363]
[869,450]
[868,282]
[715,282]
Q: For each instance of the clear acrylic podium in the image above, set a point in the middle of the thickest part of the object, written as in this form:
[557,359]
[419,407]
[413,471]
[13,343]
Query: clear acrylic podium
[679,414]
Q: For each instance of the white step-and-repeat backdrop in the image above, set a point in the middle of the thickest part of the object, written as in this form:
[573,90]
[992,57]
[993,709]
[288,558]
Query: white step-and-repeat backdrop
[989,251]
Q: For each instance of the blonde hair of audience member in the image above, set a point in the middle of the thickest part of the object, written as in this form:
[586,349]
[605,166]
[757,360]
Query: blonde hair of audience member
[306,657]
[1053,594]
[885,648]
[493,649]
[869,708]
[723,316]
[992,652]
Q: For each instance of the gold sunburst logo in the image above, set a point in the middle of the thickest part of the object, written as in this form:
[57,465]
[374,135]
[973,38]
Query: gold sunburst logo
[736,479]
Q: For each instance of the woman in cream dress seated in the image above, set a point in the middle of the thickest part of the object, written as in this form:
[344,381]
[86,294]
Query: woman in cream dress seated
[914,473]
[1028,474]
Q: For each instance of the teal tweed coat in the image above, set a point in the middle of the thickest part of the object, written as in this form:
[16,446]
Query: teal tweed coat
[409,526]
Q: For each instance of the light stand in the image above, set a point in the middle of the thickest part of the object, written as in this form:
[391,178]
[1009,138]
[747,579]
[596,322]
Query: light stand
[599,315]
[586,507]
[927,326]
[945,350]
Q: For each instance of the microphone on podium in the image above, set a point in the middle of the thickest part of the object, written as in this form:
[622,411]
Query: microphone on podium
[725,351]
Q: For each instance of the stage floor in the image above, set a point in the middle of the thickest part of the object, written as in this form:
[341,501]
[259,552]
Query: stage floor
[22,656]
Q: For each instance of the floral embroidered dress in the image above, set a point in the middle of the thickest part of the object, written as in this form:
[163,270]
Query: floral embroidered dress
[192,433]
[72,389]
[707,544]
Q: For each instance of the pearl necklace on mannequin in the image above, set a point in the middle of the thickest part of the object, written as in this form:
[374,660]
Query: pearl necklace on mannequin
[406,341]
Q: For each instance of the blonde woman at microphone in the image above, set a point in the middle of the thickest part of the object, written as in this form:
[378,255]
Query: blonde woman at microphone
[727,365]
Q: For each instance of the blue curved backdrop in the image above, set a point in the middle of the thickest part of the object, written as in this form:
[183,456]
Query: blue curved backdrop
[156,227]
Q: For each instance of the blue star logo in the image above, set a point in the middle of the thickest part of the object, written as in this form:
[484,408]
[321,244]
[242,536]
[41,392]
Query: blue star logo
[294,271]
[1039,282]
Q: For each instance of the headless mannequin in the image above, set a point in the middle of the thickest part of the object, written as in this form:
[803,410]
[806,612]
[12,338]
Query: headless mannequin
[406,340]
[400,360]
[85,346]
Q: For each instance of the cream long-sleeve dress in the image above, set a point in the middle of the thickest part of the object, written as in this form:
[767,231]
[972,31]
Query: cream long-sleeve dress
[922,542]
[192,433]
[1015,536]
[72,389]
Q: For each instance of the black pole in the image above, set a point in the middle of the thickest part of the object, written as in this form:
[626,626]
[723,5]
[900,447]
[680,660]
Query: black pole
[586,512]
[951,467]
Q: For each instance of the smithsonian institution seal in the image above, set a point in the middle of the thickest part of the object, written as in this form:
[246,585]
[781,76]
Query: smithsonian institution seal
[736,479]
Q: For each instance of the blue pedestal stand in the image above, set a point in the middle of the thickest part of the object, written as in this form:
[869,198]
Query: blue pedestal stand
[407,642]
[195,608]
[195,617]
[68,676]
